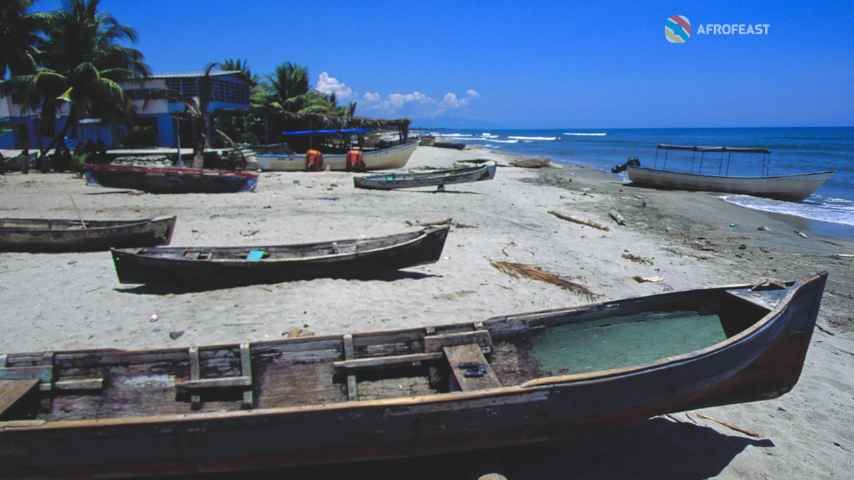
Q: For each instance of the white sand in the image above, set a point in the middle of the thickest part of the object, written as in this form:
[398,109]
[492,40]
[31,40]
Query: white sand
[65,301]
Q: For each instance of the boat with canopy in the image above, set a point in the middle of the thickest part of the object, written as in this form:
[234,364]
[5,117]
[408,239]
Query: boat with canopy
[792,187]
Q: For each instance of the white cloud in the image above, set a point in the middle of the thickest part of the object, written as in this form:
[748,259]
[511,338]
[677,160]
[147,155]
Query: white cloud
[327,84]
[416,103]
[371,97]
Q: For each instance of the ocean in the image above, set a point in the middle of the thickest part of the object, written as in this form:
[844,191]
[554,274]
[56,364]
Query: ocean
[793,150]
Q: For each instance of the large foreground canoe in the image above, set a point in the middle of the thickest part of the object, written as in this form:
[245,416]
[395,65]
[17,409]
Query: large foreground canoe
[196,266]
[377,159]
[792,188]
[509,380]
[440,178]
[170,179]
[52,235]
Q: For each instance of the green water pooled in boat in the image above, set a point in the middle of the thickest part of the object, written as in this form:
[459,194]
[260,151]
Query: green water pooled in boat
[623,341]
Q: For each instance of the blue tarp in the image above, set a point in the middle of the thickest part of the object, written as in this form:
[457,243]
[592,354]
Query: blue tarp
[339,131]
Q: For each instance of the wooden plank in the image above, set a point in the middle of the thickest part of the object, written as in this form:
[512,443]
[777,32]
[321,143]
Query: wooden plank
[470,368]
[246,367]
[768,299]
[79,384]
[208,383]
[390,361]
[195,374]
[352,383]
[12,391]
[435,343]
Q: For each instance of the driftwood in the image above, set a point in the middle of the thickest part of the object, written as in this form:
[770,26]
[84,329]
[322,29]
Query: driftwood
[518,270]
[617,217]
[641,279]
[730,426]
[531,163]
[581,221]
[638,259]
[801,234]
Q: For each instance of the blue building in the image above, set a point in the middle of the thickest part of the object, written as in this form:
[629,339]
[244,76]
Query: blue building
[155,99]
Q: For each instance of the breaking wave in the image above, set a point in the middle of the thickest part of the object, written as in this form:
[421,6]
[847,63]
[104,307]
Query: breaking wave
[585,134]
[816,207]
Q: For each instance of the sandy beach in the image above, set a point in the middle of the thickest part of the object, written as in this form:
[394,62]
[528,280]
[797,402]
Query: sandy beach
[690,240]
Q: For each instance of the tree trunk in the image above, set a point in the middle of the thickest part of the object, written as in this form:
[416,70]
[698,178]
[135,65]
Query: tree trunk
[54,145]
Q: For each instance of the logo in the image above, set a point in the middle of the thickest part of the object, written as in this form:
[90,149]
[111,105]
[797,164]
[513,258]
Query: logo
[677,29]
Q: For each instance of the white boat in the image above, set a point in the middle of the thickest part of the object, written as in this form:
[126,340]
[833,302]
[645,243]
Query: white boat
[794,187]
[379,159]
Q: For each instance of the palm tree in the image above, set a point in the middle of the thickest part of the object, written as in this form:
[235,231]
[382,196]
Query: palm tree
[82,62]
[290,85]
[19,35]
[242,66]
[197,114]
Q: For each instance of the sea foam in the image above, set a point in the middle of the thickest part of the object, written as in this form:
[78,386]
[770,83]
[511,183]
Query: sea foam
[816,207]
[533,139]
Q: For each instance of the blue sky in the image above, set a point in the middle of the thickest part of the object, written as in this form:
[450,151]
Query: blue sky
[528,64]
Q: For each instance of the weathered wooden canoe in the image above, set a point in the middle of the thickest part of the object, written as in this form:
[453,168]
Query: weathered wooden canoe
[375,159]
[193,266]
[393,181]
[170,179]
[52,235]
[508,380]
[792,188]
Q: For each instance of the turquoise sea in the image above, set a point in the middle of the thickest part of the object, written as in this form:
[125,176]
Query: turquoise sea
[793,150]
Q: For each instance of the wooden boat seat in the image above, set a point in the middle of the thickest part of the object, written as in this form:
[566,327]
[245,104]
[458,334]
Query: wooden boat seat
[194,255]
[470,368]
[196,384]
[44,376]
[13,391]
[463,352]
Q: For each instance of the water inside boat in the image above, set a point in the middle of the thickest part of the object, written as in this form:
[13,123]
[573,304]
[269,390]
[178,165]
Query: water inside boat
[503,351]
[623,341]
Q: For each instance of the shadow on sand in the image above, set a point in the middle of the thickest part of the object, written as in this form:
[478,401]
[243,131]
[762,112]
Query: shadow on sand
[655,449]
[164,289]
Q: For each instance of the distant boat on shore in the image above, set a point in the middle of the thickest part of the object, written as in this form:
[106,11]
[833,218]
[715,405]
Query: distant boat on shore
[61,235]
[170,179]
[387,158]
[438,178]
[794,188]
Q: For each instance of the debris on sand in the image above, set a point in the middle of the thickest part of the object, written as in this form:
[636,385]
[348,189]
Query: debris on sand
[730,426]
[617,217]
[297,332]
[519,270]
[581,221]
[637,258]
[654,279]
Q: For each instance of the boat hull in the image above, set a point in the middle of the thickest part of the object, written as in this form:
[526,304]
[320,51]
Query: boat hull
[37,235]
[170,179]
[761,362]
[381,159]
[793,188]
[394,181]
[133,267]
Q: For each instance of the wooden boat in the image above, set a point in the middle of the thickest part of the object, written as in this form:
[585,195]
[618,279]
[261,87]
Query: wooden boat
[440,178]
[451,145]
[794,188]
[192,266]
[375,159]
[509,380]
[52,235]
[170,179]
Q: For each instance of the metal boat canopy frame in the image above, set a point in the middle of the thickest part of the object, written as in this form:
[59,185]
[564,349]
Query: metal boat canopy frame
[725,157]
